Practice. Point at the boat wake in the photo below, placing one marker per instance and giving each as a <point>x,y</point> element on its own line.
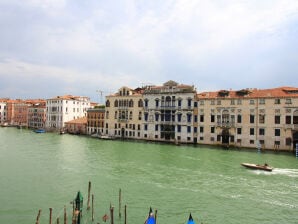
<point>286,172</point>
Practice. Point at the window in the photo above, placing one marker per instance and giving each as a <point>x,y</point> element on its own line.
<point>262,101</point>
<point>156,116</point>
<point>212,118</point>
<point>252,119</point>
<point>188,129</point>
<point>156,127</point>
<point>212,102</point>
<point>288,119</point>
<point>195,129</point>
<point>233,102</point>
<point>239,102</point>
<point>261,131</point>
<point>178,128</point>
<point>288,101</point>
<point>277,101</point>
<point>239,131</point>
<point>277,132</point>
<point>179,103</point>
<point>188,117</point>
<point>251,102</point>
<point>195,118</point>
<point>195,104</point>
<point>179,117</point>
<point>146,117</point>
<point>202,102</point>
<point>277,119</point>
<point>145,127</point>
<point>251,142</point>
<point>212,130</point>
<point>262,119</point>
<point>201,118</point>
<point>251,131</point>
<point>201,129</point>
<point>218,102</point>
<point>239,118</point>
<point>189,102</point>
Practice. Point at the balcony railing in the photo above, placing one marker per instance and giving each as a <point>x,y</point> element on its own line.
<point>225,124</point>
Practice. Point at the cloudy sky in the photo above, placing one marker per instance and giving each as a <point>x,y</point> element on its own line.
<point>56,47</point>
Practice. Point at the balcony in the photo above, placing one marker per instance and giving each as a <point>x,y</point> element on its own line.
<point>291,126</point>
<point>225,124</point>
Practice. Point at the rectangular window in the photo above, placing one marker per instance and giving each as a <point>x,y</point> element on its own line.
<point>252,119</point>
<point>288,119</point>
<point>145,127</point>
<point>188,129</point>
<point>195,129</point>
<point>262,101</point>
<point>261,131</point>
<point>277,132</point>
<point>201,118</point>
<point>251,131</point>
<point>212,118</point>
<point>201,129</point>
<point>195,118</point>
<point>251,102</point>
<point>239,131</point>
<point>178,128</point>
<point>188,117</point>
<point>218,138</point>
<point>277,119</point>
<point>239,118</point>
<point>288,101</point>
<point>251,142</point>
<point>239,102</point>
<point>277,101</point>
<point>212,130</point>
<point>262,119</point>
<point>156,127</point>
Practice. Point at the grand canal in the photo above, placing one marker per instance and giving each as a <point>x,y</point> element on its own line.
<point>39,171</point>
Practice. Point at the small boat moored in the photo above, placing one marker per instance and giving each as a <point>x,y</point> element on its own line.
<point>264,167</point>
<point>39,131</point>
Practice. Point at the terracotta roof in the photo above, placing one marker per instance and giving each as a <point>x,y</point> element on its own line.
<point>82,120</point>
<point>281,92</point>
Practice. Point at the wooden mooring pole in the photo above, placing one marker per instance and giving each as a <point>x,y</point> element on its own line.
<point>89,189</point>
<point>57,221</point>
<point>92,207</point>
<point>112,214</point>
<point>155,216</point>
<point>125,215</point>
<point>38,216</point>
<point>65,215</point>
<point>120,203</point>
<point>51,210</point>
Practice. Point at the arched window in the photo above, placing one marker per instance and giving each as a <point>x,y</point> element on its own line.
<point>140,103</point>
<point>116,103</point>
<point>168,101</point>
<point>107,103</point>
<point>131,103</point>
<point>225,116</point>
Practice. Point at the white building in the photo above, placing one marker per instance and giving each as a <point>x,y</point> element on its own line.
<point>169,113</point>
<point>65,108</point>
<point>3,112</point>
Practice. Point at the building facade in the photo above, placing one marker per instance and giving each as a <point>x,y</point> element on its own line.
<point>95,121</point>
<point>253,118</point>
<point>169,113</point>
<point>37,115</point>
<point>3,111</point>
<point>123,114</point>
<point>62,109</point>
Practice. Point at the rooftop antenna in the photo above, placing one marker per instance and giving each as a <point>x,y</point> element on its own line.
<point>100,95</point>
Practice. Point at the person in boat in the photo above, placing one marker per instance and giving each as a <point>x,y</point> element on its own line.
<point>265,164</point>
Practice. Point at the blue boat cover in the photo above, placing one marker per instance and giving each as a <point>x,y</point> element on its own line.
<point>190,220</point>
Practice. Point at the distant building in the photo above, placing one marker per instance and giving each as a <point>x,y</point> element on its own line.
<point>62,109</point>
<point>123,114</point>
<point>169,113</point>
<point>3,111</point>
<point>37,114</point>
<point>265,118</point>
<point>95,120</point>
<point>77,126</point>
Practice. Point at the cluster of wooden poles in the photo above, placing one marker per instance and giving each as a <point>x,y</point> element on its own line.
<point>77,211</point>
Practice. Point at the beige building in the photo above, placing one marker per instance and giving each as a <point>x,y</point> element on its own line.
<point>265,118</point>
<point>123,113</point>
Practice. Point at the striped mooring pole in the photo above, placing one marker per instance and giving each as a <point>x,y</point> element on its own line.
<point>297,150</point>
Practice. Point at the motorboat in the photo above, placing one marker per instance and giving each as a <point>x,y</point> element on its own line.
<point>39,130</point>
<point>264,167</point>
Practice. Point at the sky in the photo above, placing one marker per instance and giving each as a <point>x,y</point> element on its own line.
<point>92,48</point>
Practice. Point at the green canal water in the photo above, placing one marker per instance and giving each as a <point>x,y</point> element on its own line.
<point>39,171</point>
